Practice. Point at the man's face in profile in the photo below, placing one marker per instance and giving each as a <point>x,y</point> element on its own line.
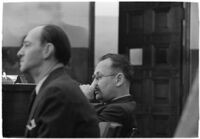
<point>104,79</point>
<point>31,52</point>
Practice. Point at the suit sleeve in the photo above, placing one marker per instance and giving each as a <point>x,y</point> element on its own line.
<point>55,115</point>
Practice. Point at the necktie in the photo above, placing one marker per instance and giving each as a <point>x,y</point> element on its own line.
<point>32,98</point>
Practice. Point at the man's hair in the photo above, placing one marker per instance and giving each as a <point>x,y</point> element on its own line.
<point>120,62</point>
<point>55,35</point>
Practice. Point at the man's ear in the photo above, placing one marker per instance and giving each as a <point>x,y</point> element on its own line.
<point>119,79</point>
<point>48,50</point>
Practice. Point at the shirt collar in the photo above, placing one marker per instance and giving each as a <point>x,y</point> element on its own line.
<point>115,99</point>
<point>38,86</point>
<point>121,97</point>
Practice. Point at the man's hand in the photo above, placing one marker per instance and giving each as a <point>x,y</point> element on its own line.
<point>88,91</point>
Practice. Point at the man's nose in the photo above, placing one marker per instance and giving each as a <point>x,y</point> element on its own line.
<point>19,53</point>
<point>94,83</point>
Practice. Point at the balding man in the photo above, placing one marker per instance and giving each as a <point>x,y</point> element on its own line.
<point>59,108</point>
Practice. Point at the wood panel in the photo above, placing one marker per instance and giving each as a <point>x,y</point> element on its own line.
<point>15,100</point>
<point>155,28</point>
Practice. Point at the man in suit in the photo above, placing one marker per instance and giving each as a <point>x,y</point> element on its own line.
<point>59,108</point>
<point>111,85</point>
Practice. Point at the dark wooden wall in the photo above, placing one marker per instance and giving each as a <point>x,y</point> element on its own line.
<point>15,109</point>
<point>155,28</point>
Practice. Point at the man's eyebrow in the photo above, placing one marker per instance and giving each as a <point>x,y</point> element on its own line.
<point>26,41</point>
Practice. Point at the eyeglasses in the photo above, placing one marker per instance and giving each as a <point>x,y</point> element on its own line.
<point>99,76</point>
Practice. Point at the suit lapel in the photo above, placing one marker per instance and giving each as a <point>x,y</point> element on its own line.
<point>35,101</point>
<point>32,98</point>
<point>34,105</point>
<point>32,108</point>
<point>38,97</point>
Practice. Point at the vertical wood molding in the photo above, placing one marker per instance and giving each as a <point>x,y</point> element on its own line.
<point>186,54</point>
<point>91,40</point>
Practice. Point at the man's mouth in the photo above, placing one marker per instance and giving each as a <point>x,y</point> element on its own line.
<point>20,61</point>
<point>96,92</point>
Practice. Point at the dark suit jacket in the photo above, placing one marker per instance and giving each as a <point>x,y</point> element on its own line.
<point>61,110</point>
<point>121,111</point>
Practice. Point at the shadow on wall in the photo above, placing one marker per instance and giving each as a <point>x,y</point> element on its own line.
<point>78,36</point>
<point>73,20</point>
<point>10,63</point>
<point>78,67</point>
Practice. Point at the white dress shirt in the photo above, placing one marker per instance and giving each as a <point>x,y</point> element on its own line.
<point>38,86</point>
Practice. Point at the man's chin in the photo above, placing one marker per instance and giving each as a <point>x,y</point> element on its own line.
<point>23,70</point>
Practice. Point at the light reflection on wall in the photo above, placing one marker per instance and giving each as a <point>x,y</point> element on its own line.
<point>73,17</point>
<point>106,28</point>
<point>194,24</point>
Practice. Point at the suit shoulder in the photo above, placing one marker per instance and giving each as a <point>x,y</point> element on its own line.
<point>64,82</point>
<point>125,106</point>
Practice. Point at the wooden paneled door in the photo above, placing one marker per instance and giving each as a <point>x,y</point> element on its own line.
<point>155,29</point>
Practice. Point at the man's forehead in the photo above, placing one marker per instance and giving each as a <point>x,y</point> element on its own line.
<point>104,66</point>
<point>35,33</point>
